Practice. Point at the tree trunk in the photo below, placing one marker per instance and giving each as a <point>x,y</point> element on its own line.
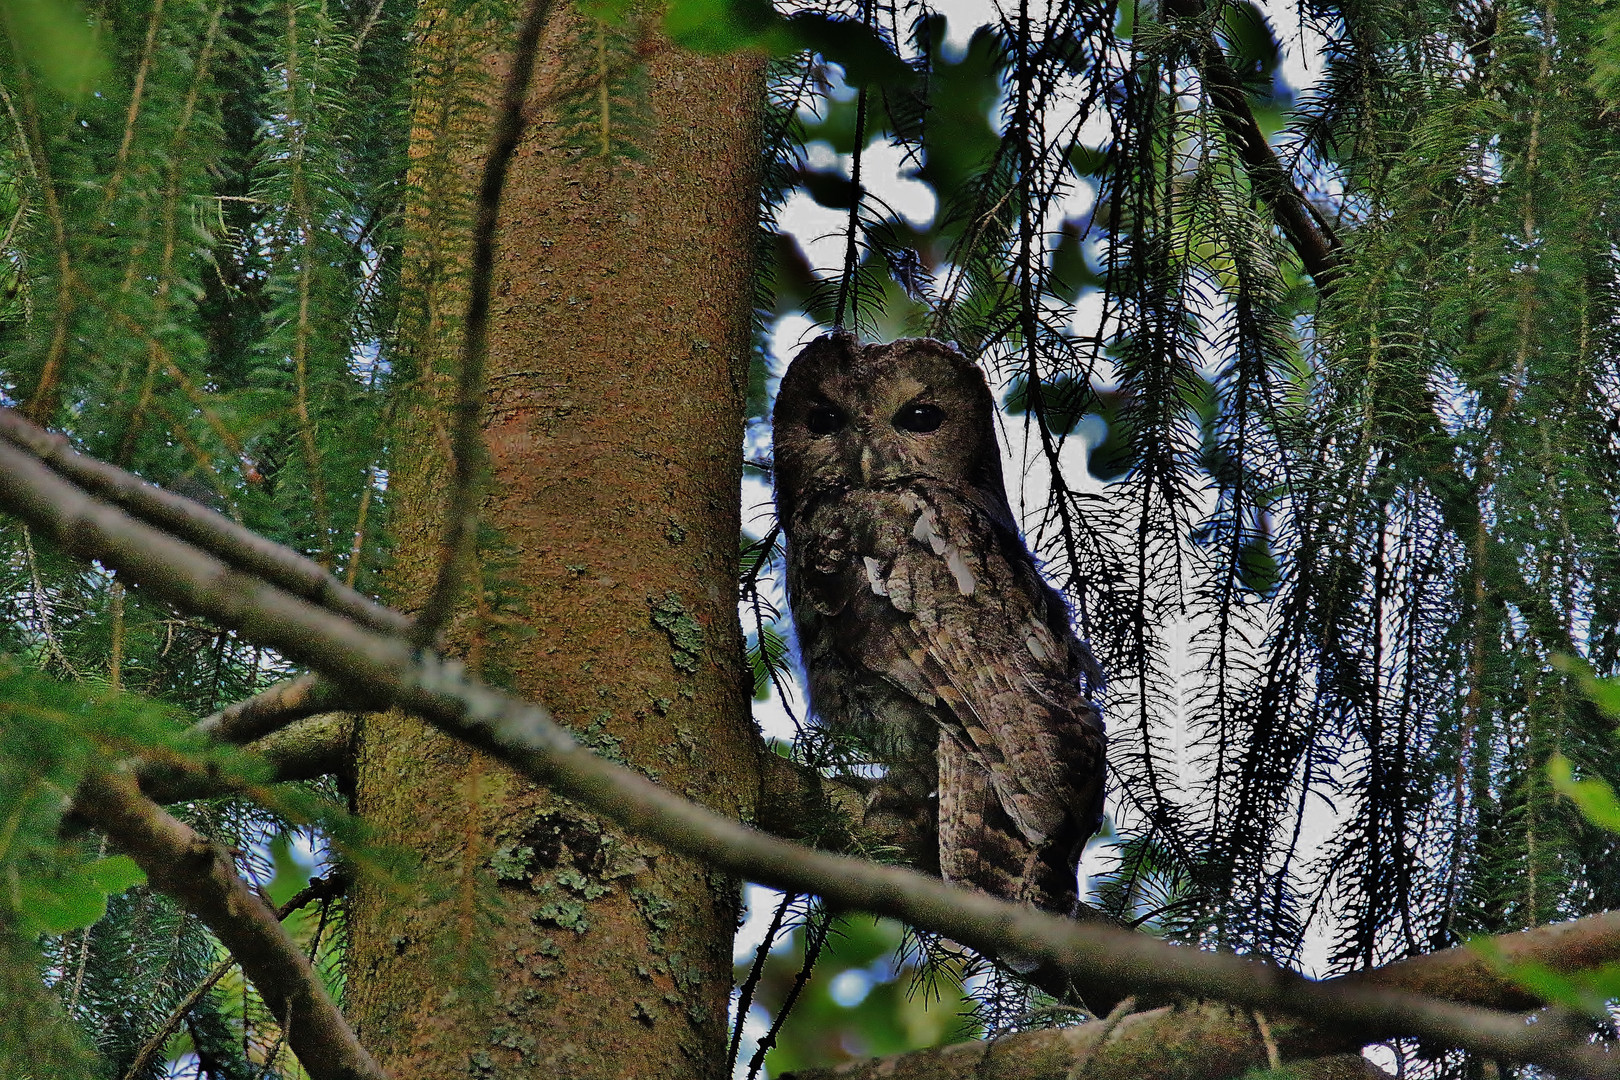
<point>538,940</point>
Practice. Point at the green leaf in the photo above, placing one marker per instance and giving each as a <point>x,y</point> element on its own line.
<point>1587,992</point>
<point>76,897</point>
<point>717,26</point>
<point>291,875</point>
<point>866,58</point>
<point>1594,798</point>
<point>114,874</point>
<point>1605,694</point>
<point>57,42</point>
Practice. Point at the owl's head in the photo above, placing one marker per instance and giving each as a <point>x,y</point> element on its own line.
<point>850,416</point>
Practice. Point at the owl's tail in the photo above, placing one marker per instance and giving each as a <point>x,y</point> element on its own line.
<point>981,845</point>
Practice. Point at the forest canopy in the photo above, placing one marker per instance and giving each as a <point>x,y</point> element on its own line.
<point>1309,394</point>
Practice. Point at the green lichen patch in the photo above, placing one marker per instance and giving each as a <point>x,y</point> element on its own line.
<point>654,908</point>
<point>511,1039</point>
<point>513,862</point>
<point>599,739</point>
<point>685,635</point>
<point>567,914</point>
<point>572,879</point>
<point>658,910</point>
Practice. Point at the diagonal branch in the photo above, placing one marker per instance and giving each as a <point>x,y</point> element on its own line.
<point>526,737</point>
<point>1311,235</point>
<point>200,876</point>
<point>196,524</point>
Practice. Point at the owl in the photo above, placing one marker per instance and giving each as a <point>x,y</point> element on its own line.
<point>930,638</point>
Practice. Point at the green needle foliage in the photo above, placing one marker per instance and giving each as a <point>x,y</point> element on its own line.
<point>1337,533</point>
<point>1330,535</point>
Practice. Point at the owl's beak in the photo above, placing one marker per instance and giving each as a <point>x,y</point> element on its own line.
<point>868,463</point>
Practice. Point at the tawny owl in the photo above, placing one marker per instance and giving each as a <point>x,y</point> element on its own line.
<point>928,633</point>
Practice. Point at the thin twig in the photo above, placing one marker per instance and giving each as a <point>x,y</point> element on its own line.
<point>745,998</point>
<point>1273,1058</point>
<point>182,1011</point>
<point>815,936</point>
<point>1110,1022</point>
<point>467,449</point>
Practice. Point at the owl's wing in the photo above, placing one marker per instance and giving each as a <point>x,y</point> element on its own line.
<point>954,612</point>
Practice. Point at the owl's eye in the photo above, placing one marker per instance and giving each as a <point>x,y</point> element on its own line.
<point>919,418</point>
<point>823,420</point>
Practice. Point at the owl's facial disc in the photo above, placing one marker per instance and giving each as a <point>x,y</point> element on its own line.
<point>850,417</point>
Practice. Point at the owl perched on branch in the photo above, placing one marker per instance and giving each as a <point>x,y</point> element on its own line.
<point>930,637</point>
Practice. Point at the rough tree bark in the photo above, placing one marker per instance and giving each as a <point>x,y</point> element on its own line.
<point>539,939</point>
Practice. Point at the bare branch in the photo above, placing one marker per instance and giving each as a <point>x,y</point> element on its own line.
<point>312,747</point>
<point>275,708</point>
<point>467,430</point>
<point>196,524</point>
<point>1203,1041</point>
<point>526,737</point>
<point>200,876</point>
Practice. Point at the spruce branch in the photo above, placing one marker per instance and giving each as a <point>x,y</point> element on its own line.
<point>333,884</point>
<point>526,737</point>
<point>467,449</point>
<point>1322,254</point>
<point>200,876</point>
<point>199,526</point>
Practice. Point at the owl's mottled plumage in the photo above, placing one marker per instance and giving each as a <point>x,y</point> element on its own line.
<point>928,632</point>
